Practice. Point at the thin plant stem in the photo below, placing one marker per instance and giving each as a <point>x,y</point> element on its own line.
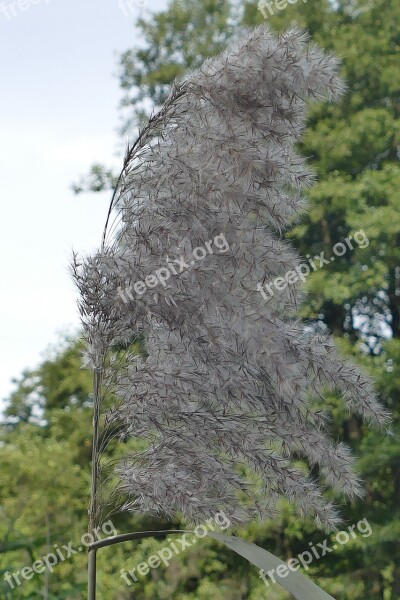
<point>94,480</point>
<point>92,574</point>
<point>135,535</point>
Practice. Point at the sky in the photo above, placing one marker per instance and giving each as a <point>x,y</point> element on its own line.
<point>58,114</point>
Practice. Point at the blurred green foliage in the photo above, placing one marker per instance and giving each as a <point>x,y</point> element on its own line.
<point>354,146</point>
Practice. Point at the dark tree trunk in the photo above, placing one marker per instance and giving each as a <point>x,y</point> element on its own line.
<point>396,580</point>
<point>394,299</point>
<point>334,318</point>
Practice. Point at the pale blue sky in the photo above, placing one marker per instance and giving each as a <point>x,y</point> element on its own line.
<point>58,114</point>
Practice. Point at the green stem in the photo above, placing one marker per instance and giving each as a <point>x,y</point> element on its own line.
<point>93,490</point>
<point>92,575</point>
<point>136,535</point>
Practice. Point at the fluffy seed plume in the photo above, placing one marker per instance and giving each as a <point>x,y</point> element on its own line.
<point>223,392</point>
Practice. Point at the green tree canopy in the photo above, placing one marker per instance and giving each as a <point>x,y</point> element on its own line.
<point>355,151</point>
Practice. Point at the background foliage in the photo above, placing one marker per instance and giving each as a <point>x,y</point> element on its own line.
<point>354,145</point>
